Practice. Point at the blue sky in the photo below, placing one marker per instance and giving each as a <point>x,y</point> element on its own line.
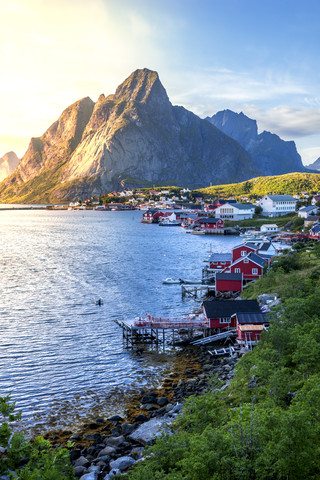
<point>259,57</point>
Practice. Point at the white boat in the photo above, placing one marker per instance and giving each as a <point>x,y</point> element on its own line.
<point>198,232</point>
<point>172,281</point>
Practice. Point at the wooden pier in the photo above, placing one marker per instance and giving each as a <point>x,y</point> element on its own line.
<point>158,330</point>
<point>195,290</point>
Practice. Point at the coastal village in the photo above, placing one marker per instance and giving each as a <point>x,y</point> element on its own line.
<point>228,273</point>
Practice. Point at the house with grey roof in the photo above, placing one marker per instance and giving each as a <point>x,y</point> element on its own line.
<point>235,211</point>
<point>304,212</point>
<point>277,205</point>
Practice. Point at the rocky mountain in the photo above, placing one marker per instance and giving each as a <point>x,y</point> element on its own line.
<point>8,163</point>
<point>132,138</point>
<point>315,165</point>
<point>271,154</point>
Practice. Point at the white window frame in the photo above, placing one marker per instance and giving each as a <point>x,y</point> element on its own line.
<point>225,320</point>
<point>237,270</point>
<point>244,253</point>
<point>254,271</point>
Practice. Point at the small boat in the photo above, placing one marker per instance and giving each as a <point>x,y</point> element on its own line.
<point>172,281</point>
<point>198,232</point>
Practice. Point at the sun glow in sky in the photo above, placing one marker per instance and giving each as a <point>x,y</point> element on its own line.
<point>258,57</point>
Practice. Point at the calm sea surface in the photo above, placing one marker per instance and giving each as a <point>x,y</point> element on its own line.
<point>61,356</point>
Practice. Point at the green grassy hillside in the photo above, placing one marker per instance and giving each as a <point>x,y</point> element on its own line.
<point>290,183</point>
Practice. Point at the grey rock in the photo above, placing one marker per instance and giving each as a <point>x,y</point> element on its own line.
<point>149,431</point>
<point>79,471</point>
<point>82,462</point>
<point>3,450</point>
<point>114,441</point>
<point>137,452</point>
<point>127,428</point>
<point>89,476</point>
<point>94,468</point>
<point>107,451</point>
<point>115,418</point>
<point>149,398</point>
<point>122,463</point>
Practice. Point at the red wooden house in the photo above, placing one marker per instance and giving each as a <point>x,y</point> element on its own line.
<point>229,282</point>
<point>152,216</point>
<point>219,261</point>
<point>218,313</point>
<point>250,266</point>
<point>249,326</point>
<point>314,232</point>
<point>243,250</point>
<point>211,225</point>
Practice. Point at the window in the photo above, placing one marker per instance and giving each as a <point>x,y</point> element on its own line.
<point>225,320</point>
<point>245,260</point>
<point>243,253</point>
<point>254,271</point>
<point>237,270</point>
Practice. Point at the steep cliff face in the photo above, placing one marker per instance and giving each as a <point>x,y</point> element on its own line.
<point>132,138</point>
<point>135,136</point>
<point>271,154</point>
<point>8,164</point>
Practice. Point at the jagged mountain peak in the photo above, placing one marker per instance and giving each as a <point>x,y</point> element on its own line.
<point>140,86</point>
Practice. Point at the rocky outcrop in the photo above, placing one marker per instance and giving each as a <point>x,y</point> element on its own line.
<point>271,154</point>
<point>8,164</point>
<point>133,138</point>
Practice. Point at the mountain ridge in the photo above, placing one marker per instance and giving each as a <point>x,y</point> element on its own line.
<point>132,138</point>
<point>271,154</point>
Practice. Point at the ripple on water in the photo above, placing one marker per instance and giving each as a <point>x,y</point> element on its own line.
<point>63,357</point>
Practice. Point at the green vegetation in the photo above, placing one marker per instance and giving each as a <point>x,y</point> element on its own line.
<point>257,221</point>
<point>35,460</point>
<point>290,183</point>
<point>266,424</point>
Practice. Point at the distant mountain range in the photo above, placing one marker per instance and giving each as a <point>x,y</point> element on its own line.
<point>136,138</point>
<point>8,164</point>
<point>271,154</point>
<point>315,165</point>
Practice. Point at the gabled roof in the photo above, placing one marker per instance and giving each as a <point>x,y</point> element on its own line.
<point>281,198</point>
<point>252,317</point>
<point>312,218</point>
<point>309,208</point>
<point>243,206</point>
<point>209,220</point>
<point>229,276</point>
<point>257,259</point>
<point>226,308</point>
<point>247,244</point>
<point>220,257</point>
<point>253,257</point>
<point>265,246</point>
<point>315,229</point>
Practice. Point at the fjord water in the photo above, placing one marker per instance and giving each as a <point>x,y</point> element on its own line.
<point>61,356</point>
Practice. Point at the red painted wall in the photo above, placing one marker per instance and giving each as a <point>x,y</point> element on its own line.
<point>246,269</point>
<point>228,286</point>
<point>236,252</point>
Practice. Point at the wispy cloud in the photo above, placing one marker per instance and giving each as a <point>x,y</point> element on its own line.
<point>287,121</point>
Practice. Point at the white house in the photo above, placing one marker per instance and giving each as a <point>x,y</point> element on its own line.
<point>277,205</point>
<point>269,228</point>
<point>315,199</point>
<point>235,211</point>
<point>304,212</point>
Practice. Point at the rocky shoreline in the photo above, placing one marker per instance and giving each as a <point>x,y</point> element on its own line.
<point>106,447</point>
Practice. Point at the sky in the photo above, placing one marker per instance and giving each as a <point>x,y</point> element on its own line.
<point>259,57</point>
